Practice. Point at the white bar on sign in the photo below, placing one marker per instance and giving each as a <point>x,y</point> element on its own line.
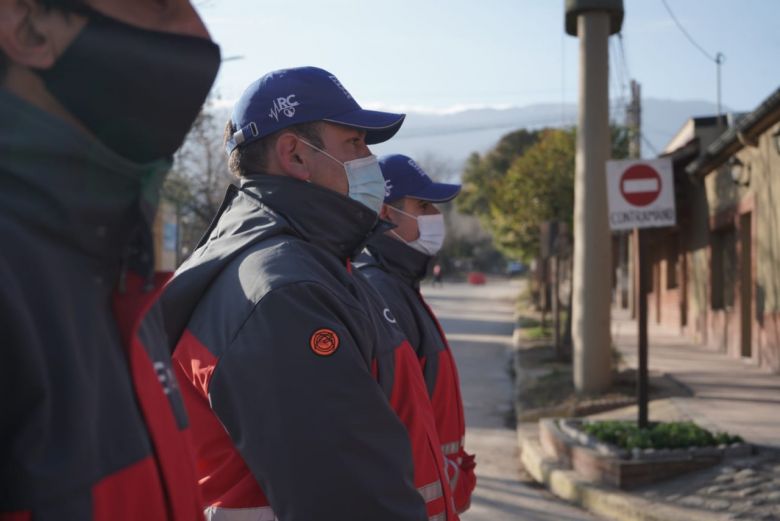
<point>634,186</point>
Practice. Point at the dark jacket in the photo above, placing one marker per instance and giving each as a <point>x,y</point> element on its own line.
<point>395,270</point>
<point>306,400</point>
<point>93,426</point>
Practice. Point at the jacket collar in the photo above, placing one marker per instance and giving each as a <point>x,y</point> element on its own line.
<point>399,259</point>
<point>68,187</point>
<point>263,207</point>
<point>318,215</point>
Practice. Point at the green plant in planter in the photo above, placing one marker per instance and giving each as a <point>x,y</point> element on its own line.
<point>670,435</point>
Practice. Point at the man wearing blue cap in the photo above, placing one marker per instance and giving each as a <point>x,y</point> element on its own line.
<point>306,400</point>
<point>395,263</point>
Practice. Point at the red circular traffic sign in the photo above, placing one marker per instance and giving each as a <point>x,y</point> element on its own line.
<point>640,185</point>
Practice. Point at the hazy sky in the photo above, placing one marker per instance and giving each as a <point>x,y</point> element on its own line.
<point>443,55</point>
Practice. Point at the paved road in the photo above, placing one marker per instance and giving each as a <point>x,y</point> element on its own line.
<point>479,321</point>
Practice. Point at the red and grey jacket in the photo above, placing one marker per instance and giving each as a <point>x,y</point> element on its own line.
<point>395,270</point>
<point>93,426</point>
<point>306,400</point>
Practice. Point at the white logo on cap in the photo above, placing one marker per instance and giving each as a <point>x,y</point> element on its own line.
<point>388,187</point>
<point>417,167</point>
<point>284,106</point>
<point>340,86</point>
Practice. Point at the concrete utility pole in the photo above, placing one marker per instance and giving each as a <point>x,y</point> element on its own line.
<point>593,21</point>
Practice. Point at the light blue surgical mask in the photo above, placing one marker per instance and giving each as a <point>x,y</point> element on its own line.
<point>366,184</point>
<point>431,229</point>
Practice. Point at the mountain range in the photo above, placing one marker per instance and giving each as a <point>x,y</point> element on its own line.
<point>451,138</point>
<point>448,139</point>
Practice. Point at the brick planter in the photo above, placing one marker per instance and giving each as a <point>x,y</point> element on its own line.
<point>601,464</point>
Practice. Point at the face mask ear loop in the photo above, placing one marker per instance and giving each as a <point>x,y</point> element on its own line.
<point>409,216</point>
<point>402,212</point>
<point>399,237</point>
<point>318,149</point>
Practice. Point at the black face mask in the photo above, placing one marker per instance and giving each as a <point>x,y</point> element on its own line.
<point>137,90</point>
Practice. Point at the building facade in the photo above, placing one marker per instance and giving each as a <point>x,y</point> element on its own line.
<point>716,275</point>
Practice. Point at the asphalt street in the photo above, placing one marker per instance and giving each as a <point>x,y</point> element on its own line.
<point>479,321</point>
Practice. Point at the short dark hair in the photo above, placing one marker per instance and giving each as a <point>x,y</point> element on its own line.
<point>61,5</point>
<point>254,156</point>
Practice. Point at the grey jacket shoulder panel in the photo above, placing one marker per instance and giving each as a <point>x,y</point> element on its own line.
<point>260,270</point>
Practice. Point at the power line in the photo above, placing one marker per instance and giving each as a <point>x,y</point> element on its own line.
<point>620,72</point>
<point>649,144</point>
<point>623,54</point>
<point>613,83</point>
<point>717,58</point>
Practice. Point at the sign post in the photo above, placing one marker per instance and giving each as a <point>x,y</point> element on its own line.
<point>641,195</point>
<point>642,370</point>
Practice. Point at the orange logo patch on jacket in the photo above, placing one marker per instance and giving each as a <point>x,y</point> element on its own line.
<point>324,342</point>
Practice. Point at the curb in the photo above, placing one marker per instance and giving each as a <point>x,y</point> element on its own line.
<point>517,331</point>
<point>602,501</point>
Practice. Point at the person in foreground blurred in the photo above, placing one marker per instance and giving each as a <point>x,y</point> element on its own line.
<point>395,263</point>
<point>95,96</point>
<point>306,400</point>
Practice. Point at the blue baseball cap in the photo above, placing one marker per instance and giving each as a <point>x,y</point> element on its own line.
<point>302,95</point>
<point>405,178</point>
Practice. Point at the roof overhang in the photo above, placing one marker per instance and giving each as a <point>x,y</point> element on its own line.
<point>745,133</point>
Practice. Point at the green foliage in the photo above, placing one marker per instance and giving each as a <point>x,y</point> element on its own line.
<point>466,245</point>
<point>671,435</point>
<point>538,187</point>
<point>483,176</point>
<point>527,179</point>
<point>620,137</point>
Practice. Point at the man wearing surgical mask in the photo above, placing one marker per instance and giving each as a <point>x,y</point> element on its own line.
<point>95,97</point>
<point>306,400</point>
<point>395,263</point>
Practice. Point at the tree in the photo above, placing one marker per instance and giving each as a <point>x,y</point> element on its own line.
<point>467,245</point>
<point>438,168</point>
<point>528,178</point>
<point>483,176</point>
<point>620,137</point>
<point>538,187</point>
<point>198,180</point>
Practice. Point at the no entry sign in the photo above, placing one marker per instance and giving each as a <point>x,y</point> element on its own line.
<point>641,194</point>
<point>640,184</point>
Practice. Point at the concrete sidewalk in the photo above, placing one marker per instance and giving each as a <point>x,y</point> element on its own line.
<point>728,394</point>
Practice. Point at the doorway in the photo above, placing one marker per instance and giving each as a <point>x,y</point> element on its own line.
<point>746,284</point>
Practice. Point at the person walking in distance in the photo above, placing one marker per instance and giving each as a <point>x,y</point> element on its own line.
<point>437,275</point>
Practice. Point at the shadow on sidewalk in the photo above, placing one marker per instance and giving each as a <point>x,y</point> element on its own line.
<point>728,394</point>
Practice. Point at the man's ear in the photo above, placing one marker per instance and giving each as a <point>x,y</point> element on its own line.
<point>33,36</point>
<point>384,213</point>
<point>290,154</point>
